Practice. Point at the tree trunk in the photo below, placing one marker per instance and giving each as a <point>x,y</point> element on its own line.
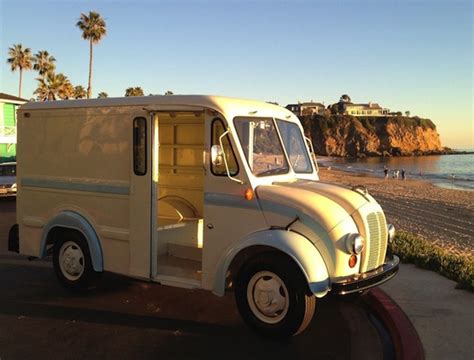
<point>21,79</point>
<point>89,87</point>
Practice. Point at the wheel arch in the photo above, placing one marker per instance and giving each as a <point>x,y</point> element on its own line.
<point>69,220</point>
<point>293,245</point>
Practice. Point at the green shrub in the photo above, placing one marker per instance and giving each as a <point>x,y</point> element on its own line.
<point>413,122</point>
<point>426,124</point>
<point>416,250</point>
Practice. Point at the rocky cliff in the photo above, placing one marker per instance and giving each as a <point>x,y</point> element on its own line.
<point>342,135</point>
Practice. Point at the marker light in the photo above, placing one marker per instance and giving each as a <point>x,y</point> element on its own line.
<point>248,194</point>
<point>352,261</point>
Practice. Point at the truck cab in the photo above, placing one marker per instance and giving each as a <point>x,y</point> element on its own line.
<point>194,191</point>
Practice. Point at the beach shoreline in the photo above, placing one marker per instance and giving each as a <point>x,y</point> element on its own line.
<point>450,172</point>
<point>440,215</point>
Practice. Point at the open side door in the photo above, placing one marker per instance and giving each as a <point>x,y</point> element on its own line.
<point>177,186</point>
<point>140,228</point>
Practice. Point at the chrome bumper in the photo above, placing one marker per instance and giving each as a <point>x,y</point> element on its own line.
<point>369,279</point>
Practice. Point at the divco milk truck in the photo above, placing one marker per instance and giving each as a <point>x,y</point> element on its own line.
<point>201,192</point>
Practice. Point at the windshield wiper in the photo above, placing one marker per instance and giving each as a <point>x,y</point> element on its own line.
<point>275,171</point>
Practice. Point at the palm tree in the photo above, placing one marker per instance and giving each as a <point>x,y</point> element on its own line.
<point>93,29</point>
<point>53,87</point>
<point>345,98</point>
<point>342,104</point>
<point>47,88</point>
<point>134,91</point>
<point>66,90</point>
<point>103,95</point>
<point>20,59</point>
<point>169,92</point>
<point>43,63</point>
<point>79,92</point>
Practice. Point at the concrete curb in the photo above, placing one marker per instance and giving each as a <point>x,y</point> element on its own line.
<point>404,336</point>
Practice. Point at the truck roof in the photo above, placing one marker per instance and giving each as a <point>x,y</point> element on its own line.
<point>222,104</point>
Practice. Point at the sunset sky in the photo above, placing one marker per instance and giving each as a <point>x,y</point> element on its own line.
<point>404,55</point>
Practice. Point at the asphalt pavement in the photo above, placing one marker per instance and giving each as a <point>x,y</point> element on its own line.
<point>127,319</point>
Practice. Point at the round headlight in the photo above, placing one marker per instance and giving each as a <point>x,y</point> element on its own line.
<point>391,232</point>
<point>355,244</point>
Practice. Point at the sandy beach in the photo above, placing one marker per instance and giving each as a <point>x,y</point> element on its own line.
<point>443,216</point>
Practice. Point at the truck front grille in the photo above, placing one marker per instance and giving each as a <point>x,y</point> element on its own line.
<point>377,240</point>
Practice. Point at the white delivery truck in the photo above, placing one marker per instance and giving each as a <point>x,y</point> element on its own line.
<point>195,192</point>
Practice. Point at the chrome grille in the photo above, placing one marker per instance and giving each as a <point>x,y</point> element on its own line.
<point>377,237</point>
<point>383,237</point>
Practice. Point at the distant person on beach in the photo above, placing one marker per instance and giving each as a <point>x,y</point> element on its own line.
<point>385,171</point>
<point>396,173</point>
<point>403,174</point>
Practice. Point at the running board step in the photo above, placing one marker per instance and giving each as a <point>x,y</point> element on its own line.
<point>175,281</point>
<point>185,251</point>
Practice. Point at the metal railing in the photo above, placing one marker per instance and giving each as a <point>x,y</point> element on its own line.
<point>8,131</point>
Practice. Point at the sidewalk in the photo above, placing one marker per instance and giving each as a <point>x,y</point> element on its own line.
<point>442,315</point>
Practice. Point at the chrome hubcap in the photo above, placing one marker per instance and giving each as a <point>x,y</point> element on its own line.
<point>71,261</point>
<point>267,296</point>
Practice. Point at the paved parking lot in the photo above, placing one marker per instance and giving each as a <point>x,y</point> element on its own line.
<point>124,318</point>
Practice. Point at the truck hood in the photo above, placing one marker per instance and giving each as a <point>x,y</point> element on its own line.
<point>326,203</point>
<point>349,199</point>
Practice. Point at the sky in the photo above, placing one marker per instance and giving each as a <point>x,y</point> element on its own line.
<point>404,55</point>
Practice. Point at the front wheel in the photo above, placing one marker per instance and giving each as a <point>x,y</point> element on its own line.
<point>72,262</point>
<point>273,297</point>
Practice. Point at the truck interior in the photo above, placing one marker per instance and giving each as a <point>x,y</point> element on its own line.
<point>180,197</point>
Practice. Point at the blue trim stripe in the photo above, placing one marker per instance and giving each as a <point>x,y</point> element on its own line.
<point>76,186</point>
<point>235,201</point>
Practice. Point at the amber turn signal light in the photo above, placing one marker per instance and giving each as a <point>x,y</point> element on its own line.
<point>249,194</point>
<point>352,261</point>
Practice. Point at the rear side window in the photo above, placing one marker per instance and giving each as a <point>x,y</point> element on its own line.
<point>139,146</point>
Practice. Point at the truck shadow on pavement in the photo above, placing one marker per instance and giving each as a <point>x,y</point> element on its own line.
<point>123,318</point>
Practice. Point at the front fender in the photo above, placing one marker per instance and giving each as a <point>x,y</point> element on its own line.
<point>72,220</point>
<point>299,248</point>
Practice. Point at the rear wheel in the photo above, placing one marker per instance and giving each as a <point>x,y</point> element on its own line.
<point>72,262</point>
<point>273,297</point>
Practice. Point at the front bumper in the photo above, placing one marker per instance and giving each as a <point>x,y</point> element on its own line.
<point>369,279</point>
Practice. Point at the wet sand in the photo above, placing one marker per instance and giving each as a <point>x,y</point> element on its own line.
<point>443,216</point>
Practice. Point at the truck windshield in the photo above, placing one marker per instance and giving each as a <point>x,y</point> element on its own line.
<point>262,147</point>
<point>295,147</point>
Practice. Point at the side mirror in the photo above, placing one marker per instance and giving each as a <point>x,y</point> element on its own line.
<point>216,155</point>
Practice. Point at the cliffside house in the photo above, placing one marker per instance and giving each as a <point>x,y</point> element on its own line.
<point>306,108</point>
<point>370,109</point>
<point>8,106</point>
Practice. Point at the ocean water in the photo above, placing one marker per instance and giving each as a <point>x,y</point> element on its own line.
<point>448,171</point>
